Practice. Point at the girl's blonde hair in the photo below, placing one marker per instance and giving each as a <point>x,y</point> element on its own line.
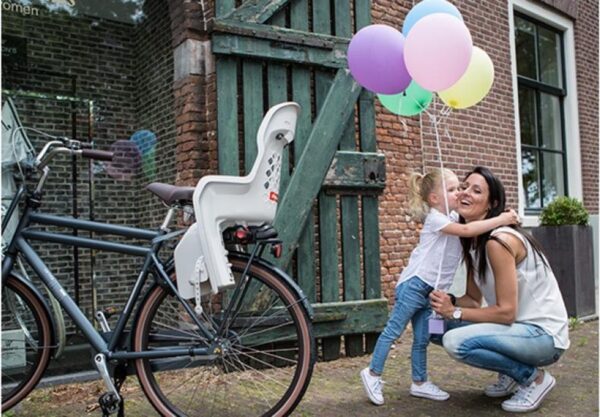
<point>419,188</point>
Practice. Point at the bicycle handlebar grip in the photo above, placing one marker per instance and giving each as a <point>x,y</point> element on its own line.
<point>98,155</point>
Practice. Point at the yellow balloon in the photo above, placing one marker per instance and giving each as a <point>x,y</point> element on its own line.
<point>474,84</point>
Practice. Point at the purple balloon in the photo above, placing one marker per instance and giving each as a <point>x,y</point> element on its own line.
<point>438,51</point>
<point>126,160</point>
<point>376,59</point>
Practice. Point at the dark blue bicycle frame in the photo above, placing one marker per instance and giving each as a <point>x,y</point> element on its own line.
<point>19,244</point>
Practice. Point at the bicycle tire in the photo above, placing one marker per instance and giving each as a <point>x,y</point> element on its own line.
<point>252,376</point>
<point>34,350</point>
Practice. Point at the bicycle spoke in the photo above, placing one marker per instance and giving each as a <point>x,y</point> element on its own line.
<point>261,363</point>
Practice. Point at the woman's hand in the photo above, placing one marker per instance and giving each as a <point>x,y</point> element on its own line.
<point>441,303</point>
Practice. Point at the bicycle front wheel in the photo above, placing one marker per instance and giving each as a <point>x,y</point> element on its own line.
<point>26,341</point>
<point>263,364</point>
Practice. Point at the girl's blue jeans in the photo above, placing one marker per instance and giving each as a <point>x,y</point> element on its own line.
<point>412,303</point>
<point>516,350</point>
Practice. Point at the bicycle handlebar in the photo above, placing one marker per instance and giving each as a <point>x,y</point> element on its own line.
<point>97,155</point>
<point>74,147</point>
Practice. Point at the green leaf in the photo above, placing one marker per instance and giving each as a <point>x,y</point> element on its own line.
<point>564,211</point>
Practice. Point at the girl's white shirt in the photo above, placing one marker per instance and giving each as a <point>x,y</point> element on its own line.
<point>436,254</point>
<point>539,299</point>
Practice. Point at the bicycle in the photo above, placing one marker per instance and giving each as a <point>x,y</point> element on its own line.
<point>201,344</point>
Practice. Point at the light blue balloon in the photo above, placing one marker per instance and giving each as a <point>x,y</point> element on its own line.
<point>427,7</point>
<point>145,140</point>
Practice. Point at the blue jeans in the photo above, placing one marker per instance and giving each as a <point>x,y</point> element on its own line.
<point>412,303</point>
<point>516,350</point>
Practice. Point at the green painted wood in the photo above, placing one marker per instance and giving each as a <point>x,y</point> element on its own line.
<point>305,255</point>
<point>328,251</point>
<point>349,219</point>
<point>351,248</point>
<point>293,37</point>
<point>362,13</point>
<point>315,161</point>
<point>256,48</point>
<point>277,91</point>
<point>356,171</point>
<point>227,116</point>
<point>370,213</point>
<point>240,35</point>
<point>223,7</point>
<point>257,11</point>
<point>343,21</point>
<point>252,74</point>
<point>321,17</point>
<point>350,317</point>
<point>331,320</point>
<point>349,204</point>
<point>299,15</point>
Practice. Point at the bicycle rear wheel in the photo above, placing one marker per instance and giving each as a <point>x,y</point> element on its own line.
<point>26,341</point>
<point>262,369</point>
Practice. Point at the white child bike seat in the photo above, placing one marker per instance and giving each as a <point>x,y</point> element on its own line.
<point>221,201</point>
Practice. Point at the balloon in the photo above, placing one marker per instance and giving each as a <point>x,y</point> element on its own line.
<point>144,139</point>
<point>475,83</point>
<point>427,7</point>
<point>438,51</point>
<point>126,160</point>
<point>376,59</point>
<point>412,101</point>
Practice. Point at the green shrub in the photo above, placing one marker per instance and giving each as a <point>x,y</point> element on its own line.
<point>563,211</point>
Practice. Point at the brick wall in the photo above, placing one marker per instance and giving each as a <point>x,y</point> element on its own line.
<point>127,71</point>
<point>586,55</point>
<point>481,135</point>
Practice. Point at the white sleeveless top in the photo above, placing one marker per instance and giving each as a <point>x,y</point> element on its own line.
<point>539,299</point>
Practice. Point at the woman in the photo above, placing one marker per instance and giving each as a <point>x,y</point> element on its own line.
<point>525,324</point>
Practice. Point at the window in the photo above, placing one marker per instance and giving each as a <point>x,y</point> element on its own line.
<point>541,100</point>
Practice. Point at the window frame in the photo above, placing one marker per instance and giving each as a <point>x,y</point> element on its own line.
<point>538,88</point>
<point>569,109</point>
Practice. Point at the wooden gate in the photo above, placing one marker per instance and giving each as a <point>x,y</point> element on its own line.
<point>270,51</point>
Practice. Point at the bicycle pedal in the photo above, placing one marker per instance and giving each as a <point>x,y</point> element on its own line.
<point>109,403</point>
<point>110,311</point>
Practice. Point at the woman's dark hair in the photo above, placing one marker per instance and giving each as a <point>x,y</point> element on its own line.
<point>497,201</point>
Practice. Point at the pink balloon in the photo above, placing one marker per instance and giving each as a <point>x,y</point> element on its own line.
<point>437,51</point>
<point>376,59</point>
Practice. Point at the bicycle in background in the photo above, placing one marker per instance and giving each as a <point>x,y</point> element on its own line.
<point>216,333</point>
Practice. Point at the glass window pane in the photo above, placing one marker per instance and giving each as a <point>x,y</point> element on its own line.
<point>550,57</point>
<point>525,48</point>
<point>551,123</point>
<point>530,172</point>
<point>553,179</point>
<point>527,116</point>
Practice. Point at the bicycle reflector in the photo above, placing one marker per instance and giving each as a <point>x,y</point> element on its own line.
<point>277,250</point>
<point>242,235</point>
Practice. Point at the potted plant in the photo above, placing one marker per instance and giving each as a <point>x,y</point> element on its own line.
<point>567,240</point>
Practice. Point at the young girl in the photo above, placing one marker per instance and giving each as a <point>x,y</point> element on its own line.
<point>433,261</point>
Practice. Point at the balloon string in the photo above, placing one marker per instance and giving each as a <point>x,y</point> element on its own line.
<point>444,113</point>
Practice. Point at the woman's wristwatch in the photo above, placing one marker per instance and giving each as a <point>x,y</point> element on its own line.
<point>457,314</point>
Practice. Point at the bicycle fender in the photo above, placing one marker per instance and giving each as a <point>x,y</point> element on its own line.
<point>281,274</point>
<point>45,306</point>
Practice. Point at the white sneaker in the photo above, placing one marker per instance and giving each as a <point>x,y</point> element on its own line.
<point>530,398</point>
<point>428,390</point>
<point>373,386</point>
<point>503,387</point>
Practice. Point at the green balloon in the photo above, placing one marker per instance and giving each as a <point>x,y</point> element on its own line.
<point>410,102</point>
